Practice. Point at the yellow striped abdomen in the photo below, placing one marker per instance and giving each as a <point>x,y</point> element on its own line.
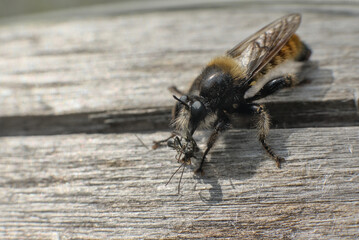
<point>294,49</point>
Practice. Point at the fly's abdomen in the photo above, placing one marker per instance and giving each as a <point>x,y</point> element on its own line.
<point>294,49</point>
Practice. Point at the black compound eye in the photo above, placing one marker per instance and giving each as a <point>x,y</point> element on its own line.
<point>184,98</point>
<point>181,101</point>
<point>198,110</point>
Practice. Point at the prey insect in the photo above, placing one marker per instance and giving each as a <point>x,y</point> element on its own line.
<point>221,89</point>
<point>186,149</point>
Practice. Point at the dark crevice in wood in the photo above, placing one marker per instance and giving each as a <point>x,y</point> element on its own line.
<point>283,114</point>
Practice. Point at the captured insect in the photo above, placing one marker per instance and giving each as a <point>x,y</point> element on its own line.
<point>186,149</point>
<point>220,90</point>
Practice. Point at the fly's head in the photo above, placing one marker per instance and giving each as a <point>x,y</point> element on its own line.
<point>191,112</point>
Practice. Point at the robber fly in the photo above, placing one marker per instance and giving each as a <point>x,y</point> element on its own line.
<point>220,90</point>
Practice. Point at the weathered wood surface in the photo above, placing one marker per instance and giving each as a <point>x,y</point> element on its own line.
<point>102,73</point>
<point>106,69</point>
<point>102,186</point>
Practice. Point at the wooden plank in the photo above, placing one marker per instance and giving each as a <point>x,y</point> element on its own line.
<point>113,186</point>
<point>106,69</point>
<point>110,68</point>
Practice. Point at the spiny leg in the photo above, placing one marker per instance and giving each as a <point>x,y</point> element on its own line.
<point>156,144</point>
<point>221,125</point>
<point>274,85</point>
<point>263,123</point>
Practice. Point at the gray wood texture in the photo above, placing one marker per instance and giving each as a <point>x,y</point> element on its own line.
<point>102,186</point>
<point>112,71</point>
<point>105,70</point>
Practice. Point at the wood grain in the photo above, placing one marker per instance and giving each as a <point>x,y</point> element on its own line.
<point>102,186</point>
<point>122,64</point>
<point>83,93</point>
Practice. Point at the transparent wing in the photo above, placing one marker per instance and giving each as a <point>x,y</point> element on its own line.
<point>257,50</point>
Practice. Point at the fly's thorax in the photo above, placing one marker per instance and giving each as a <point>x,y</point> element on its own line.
<point>216,83</point>
<point>217,87</point>
<point>228,65</point>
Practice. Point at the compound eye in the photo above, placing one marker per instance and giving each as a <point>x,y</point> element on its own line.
<point>198,110</point>
<point>184,98</point>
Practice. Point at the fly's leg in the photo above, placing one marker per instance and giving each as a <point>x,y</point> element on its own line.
<point>273,86</point>
<point>156,144</point>
<point>221,125</point>
<point>263,123</point>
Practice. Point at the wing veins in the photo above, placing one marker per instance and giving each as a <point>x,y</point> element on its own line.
<point>258,49</point>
